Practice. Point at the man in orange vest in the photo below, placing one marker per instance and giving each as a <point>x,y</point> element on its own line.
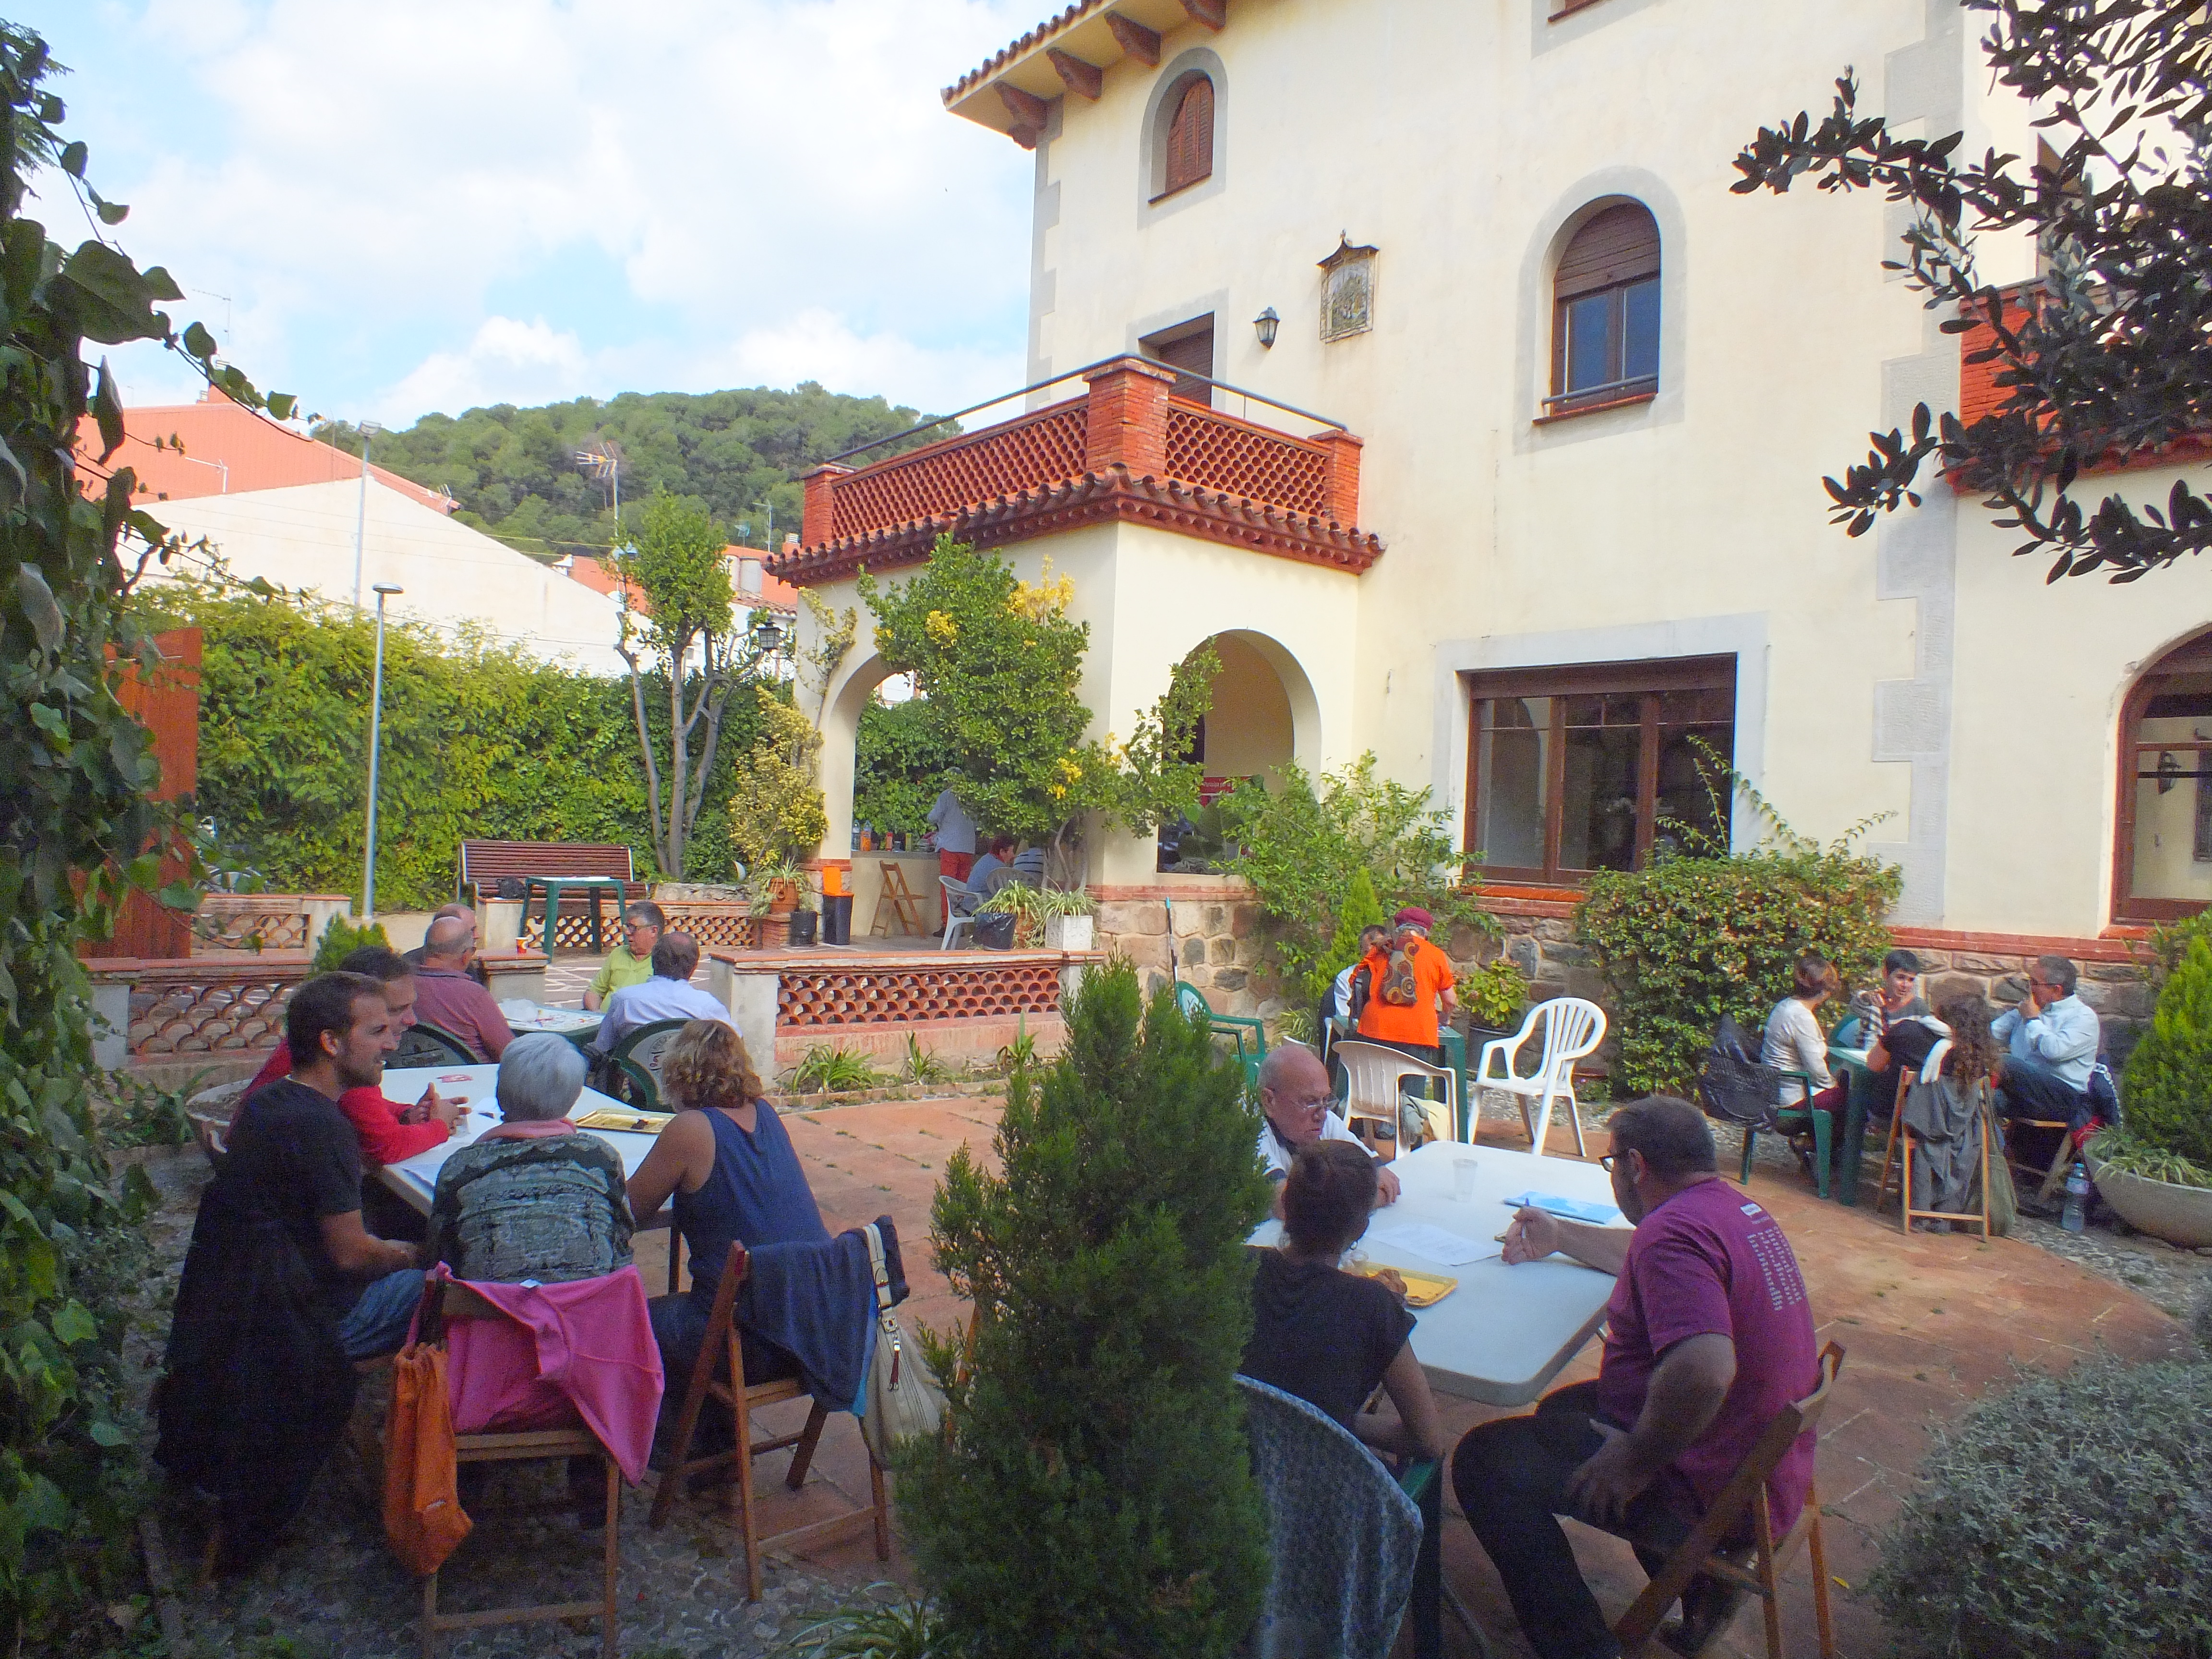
<point>1410,991</point>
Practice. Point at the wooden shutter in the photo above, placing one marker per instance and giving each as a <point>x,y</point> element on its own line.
<point>1190,136</point>
<point>1619,245</point>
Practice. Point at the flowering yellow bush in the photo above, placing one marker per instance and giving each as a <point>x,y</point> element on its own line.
<point>942,627</point>
<point>1046,596</point>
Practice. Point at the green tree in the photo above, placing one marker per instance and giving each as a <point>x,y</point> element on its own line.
<point>775,804</point>
<point>999,665</point>
<point>515,473</point>
<point>1095,1496</point>
<point>1302,847</point>
<point>1359,911</point>
<point>76,823</point>
<point>2111,357</point>
<point>896,772</point>
<point>2169,1077</point>
<point>677,564</point>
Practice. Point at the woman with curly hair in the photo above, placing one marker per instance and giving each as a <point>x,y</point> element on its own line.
<point>730,1167</point>
<point>1946,1103</point>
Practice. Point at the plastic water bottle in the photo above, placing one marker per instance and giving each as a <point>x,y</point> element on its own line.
<point>2077,1199</point>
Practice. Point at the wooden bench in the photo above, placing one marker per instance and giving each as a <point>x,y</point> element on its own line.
<point>485,864</point>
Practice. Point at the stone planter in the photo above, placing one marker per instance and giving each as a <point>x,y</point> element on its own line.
<point>502,924</point>
<point>2180,1215</point>
<point>1068,932</point>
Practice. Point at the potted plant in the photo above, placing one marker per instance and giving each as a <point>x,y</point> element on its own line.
<point>2157,1172</point>
<point>1024,903</point>
<point>775,888</point>
<point>1495,995</point>
<point>804,913</point>
<point>1067,913</point>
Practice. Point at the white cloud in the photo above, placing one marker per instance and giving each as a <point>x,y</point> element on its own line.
<point>382,191</point>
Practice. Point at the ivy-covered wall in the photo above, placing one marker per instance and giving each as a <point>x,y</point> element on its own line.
<point>478,743</point>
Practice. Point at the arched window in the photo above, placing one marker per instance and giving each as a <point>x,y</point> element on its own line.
<point>1604,313</point>
<point>1187,148</point>
<point>2162,858</point>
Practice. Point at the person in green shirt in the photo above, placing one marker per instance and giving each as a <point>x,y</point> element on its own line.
<point>629,963</point>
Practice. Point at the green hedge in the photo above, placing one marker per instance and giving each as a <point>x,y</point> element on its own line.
<point>478,743</point>
<point>1689,939</point>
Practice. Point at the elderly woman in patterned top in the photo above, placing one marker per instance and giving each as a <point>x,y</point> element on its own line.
<point>535,1198</point>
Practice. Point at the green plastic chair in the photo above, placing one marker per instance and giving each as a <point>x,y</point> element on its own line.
<point>1232,1026</point>
<point>423,1044</point>
<point>635,1062</point>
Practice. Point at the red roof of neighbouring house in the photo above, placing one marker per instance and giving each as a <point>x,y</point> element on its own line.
<point>775,593</point>
<point>228,449</point>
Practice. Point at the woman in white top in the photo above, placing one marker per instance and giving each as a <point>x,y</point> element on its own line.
<point>1795,1040</point>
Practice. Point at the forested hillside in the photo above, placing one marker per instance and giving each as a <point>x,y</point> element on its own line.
<point>515,473</point>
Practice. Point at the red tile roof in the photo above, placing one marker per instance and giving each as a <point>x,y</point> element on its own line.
<point>1034,38</point>
<point>228,449</point>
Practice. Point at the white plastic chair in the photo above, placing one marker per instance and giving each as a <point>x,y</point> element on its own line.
<point>955,894</point>
<point>1572,1028</point>
<point>1374,1073</point>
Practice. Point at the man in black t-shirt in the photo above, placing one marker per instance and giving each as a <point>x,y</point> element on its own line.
<point>295,1158</point>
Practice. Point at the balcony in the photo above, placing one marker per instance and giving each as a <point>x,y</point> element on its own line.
<point>1126,450</point>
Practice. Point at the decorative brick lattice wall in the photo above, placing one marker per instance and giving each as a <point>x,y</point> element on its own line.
<point>226,1010</point>
<point>229,925</point>
<point>728,926</point>
<point>897,995</point>
<point>1041,448</point>
<point>1240,458</point>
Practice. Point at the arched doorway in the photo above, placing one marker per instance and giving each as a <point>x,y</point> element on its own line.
<point>1263,716</point>
<point>2162,844</point>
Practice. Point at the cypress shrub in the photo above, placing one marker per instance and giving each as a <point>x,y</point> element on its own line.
<point>1095,1496</point>
<point>2169,1078</point>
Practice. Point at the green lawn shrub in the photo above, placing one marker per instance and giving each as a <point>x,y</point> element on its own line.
<point>1095,1496</point>
<point>2067,1517</point>
<point>1687,940</point>
<point>2168,1100</point>
<point>479,743</point>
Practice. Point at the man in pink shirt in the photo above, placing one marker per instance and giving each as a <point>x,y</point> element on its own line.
<point>446,997</point>
<point>1708,1336</point>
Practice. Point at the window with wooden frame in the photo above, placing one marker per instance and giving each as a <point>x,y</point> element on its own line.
<point>2162,844</point>
<point>1187,347</point>
<point>1604,313</point>
<point>1187,145</point>
<point>1576,769</point>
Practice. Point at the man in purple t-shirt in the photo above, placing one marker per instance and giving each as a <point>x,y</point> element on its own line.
<point>1708,1336</point>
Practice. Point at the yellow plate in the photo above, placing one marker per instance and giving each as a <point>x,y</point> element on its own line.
<point>1422,1290</point>
<point>635,1123</point>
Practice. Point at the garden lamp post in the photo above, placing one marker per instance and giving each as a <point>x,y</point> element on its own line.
<point>384,591</point>
<point>368,430</point>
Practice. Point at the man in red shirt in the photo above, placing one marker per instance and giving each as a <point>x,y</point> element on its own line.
<point>447,998</point>
<point>1709,1337</point>
<point>388,1131</point>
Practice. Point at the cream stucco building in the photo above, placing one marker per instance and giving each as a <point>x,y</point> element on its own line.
<point>1478,278</point>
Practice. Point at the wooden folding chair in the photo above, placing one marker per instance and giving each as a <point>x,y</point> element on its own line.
<point>1900,1138</point>
<point>904,905</point>
<point>2061,1156</point>
<point>453,1301</point>
<point>1703,1551</point>
<point>723,1343</point>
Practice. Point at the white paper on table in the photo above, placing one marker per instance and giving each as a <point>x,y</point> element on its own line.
<point>1433,1244</point>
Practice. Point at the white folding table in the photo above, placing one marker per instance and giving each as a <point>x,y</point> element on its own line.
<point>415,1179</point>
<point>1504,1333</point>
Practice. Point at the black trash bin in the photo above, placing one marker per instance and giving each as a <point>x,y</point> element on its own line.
<point>802,927</point>
<point>837,918</point>
<point>995,931</point>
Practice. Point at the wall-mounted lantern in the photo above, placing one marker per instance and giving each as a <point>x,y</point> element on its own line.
<point>1265,325</point>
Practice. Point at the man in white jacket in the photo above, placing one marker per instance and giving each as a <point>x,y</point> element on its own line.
<point>2051,1045</point>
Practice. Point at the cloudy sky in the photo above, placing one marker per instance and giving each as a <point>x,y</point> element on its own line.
<point>429,204</point>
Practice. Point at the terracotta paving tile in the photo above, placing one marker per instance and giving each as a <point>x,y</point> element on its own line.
<point>1929,1321</point>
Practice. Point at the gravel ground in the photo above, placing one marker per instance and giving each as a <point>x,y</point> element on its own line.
<point>333,1588</point>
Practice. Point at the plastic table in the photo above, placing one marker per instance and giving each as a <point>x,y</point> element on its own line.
<point>415,1179</point>
<point>554,886</point>
<point>523,1016</point>
<point>1858,1097</point>
<point>1506,1332</point>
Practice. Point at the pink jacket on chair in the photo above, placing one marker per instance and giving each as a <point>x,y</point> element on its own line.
<point>580,1349</point>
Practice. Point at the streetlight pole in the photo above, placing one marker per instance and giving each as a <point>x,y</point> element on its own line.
<point>368,430</point>
<point>384,591</point>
